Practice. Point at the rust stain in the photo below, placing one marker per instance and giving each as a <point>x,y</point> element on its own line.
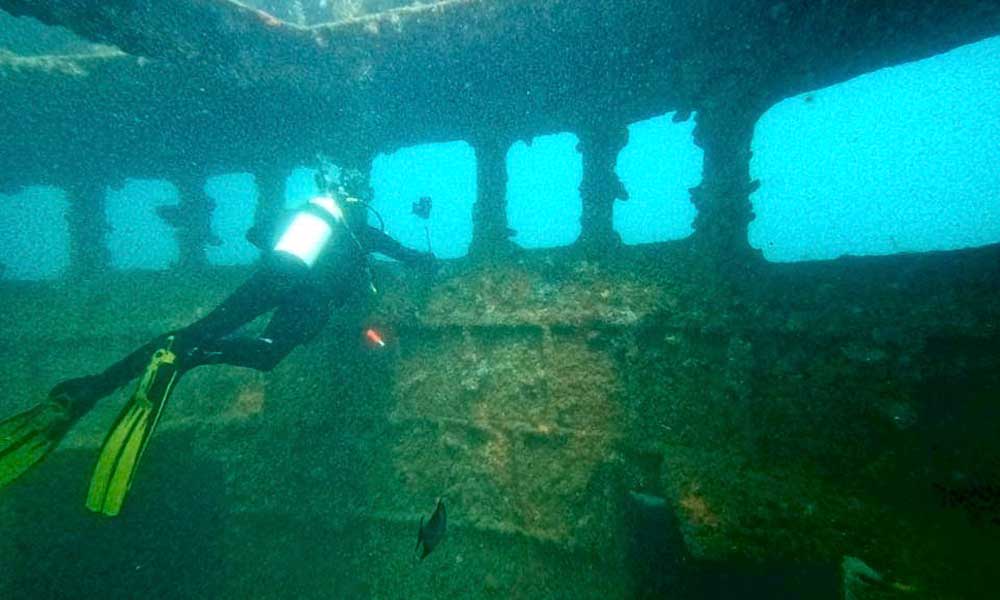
<point>697,509</point>
<point>249,401</point>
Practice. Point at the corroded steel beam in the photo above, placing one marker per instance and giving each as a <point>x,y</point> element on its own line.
<point>224,86</point>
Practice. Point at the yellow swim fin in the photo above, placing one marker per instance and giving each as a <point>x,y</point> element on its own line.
<point>28,437</point>
<point>130,434</point>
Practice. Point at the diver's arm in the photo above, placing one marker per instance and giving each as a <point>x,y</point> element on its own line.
<point>376,240</point>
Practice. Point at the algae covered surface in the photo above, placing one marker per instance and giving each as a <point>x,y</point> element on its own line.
<point>762,445</point>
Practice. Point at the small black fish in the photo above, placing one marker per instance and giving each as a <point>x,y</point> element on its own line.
<point>430,535</point>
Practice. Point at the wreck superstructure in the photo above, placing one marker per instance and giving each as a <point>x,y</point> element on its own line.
<point>758,421</point>
<point>206,88</point>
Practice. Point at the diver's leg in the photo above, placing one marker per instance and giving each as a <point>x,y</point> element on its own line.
<point>26,438</point>
<point>264,290</point>
<point>126,441</point>
<point>296,321</point>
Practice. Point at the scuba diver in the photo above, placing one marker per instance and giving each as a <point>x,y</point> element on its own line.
<point>316,265</point>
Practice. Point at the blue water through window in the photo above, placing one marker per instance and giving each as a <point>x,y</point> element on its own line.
<point>658,167</point>
<point>904,159</point>
<point>543,191</point>
<point>137,237</point>
<point>235,198</point>
<point>34,234</point>
<point>445,173</point>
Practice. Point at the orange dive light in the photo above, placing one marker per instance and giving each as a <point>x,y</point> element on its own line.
<point>374,337</point>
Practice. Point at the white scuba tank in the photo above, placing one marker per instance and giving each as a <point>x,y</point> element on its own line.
<point>311,229</point>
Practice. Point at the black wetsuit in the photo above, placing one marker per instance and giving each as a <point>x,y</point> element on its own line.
<point>302,298</point>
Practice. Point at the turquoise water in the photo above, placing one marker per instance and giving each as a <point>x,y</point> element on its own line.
<point>904,159</point>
